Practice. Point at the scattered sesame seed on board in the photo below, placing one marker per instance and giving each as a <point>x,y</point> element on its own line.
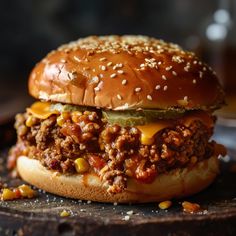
<point>130,212</point>
<point>126,218</point>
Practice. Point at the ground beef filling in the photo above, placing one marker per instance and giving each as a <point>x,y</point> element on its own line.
<point>114,152</point>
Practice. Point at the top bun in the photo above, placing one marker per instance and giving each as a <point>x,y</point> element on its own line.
<point>126,72</point>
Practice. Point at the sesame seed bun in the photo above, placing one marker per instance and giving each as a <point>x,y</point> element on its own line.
<point>179,182</point>
<point>125,72</point>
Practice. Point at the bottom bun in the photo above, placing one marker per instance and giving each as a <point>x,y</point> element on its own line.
<point>174,184</point>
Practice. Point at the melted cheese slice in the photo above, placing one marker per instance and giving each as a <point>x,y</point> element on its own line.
<point>41,110</point>
<point>148,131</point>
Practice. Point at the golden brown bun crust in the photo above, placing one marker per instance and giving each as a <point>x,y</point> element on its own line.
<point>148,73</point>
<point>177,183</point>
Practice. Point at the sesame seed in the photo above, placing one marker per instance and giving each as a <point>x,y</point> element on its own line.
<point>163,77</point>
<point>137,89</point>
<point>97,89</point>
<point>149,97</point>
<point>103,68</point>
<point>165,88</point>
<point>120,72</point>
<point>63,61</point>
<point>159,62</point>
<point>177,59</point>
<point>113,75</point>
<point>109,63</point>
<point>95,79</point>
<point>194,81</point>
<point>142,65</point>
<point>158,87</point>
<point>200,74</point>
<point>77,59</point>
<point>126,218</point>
<point>119,96</point>
<point>204,68</point>
<point>102,59</point>
<point>195,62</point>
<point>130,212</point>
<point>101,75</point>
<point>124,82</point>
<point>185,98</point>
<point>174,73</point>
<point>186,68</point>
<point>168,68</point>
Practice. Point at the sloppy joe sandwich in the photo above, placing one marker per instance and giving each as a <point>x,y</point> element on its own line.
<point>119,119</point>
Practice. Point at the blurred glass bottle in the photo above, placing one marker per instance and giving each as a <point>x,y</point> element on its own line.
<point>219,49</point>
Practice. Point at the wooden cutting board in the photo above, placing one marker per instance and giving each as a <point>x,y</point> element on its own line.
<point>41,216</point>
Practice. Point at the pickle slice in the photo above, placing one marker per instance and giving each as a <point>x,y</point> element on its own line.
<point>123,118</point>
<point>134,118</point>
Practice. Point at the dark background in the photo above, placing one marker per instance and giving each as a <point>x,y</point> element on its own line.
<point>29,29</point>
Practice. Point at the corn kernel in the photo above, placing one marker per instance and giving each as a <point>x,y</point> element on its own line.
<point>75,116</point>
<point>8,194</point>
<point>81,165</point>
<point>165,205</point>
<point>64,213</point>
<point>26,191</point>
<point>62,118</point>
<point>30,121</point>
<point>190,207</point>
